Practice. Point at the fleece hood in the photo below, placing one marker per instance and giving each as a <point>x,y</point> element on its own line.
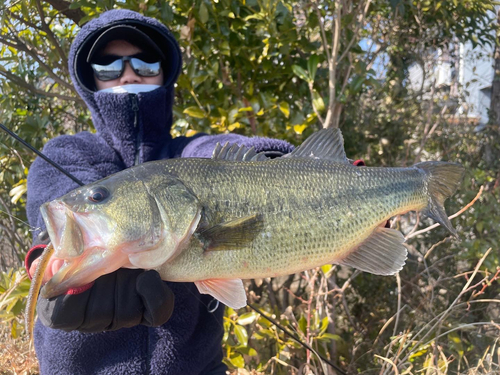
<point>136,126</point>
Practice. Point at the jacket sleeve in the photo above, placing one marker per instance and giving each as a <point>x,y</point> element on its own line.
<point>82,155</point>
<point>203,146</point>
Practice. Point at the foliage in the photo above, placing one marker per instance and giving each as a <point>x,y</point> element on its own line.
<point>16,355</point>
<point>282,69</point>
<point>14,287</point>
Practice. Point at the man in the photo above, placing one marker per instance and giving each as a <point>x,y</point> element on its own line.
<point>124,67</point>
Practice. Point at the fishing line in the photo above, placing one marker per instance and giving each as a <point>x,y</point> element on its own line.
<point>32,229</point>
<point>291,334</point>
<point>30,147</point>
<point>211,309</point>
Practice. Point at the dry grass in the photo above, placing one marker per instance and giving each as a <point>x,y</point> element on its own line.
<point>488,365</point>
<point>16,357</point>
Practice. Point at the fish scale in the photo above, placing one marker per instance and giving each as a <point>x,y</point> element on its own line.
<point>239,216</point>
<point>327,216</point>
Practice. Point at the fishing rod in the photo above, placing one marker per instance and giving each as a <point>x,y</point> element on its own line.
<point>48,160</point>
<point>273,321</point>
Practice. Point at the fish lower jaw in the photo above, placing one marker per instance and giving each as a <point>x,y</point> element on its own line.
<point>75,275</point>
<point>53,267</point>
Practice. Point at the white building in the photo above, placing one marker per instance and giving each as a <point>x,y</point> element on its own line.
<point>463,75</point>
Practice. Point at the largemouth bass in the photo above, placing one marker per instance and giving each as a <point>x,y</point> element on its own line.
<point>239,216</point>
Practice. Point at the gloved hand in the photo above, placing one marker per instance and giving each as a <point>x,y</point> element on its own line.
<point>123,298</point>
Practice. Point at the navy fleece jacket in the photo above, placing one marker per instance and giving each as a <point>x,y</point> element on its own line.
<point>129,129</point>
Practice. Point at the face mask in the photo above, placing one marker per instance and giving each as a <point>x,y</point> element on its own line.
<point>130,89</point>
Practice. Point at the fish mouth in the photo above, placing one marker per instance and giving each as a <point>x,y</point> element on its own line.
<point>65,234</point>
<point>79,271</point>
<point>81,252</point>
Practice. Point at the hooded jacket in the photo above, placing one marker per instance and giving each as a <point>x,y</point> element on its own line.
<point>130,129</point>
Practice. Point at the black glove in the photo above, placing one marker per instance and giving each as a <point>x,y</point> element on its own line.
<point>124,298</point>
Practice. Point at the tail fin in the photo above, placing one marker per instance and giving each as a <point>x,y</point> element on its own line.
<point>443,179</point>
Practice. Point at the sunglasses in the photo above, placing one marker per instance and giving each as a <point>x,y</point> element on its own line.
<point>109,70</point>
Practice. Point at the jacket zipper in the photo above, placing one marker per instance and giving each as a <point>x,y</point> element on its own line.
<point>138,139</point>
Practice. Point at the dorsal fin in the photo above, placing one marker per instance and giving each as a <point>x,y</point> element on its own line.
<point>236,153</point>
<point>324,144</point>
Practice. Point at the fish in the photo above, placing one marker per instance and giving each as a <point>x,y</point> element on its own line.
<point>239,215</point>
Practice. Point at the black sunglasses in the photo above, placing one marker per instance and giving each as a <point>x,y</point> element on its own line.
<point>114,69</point>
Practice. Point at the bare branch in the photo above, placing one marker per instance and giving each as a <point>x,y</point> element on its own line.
<point>23,47</point>
<point>446,239</point>
<point>21,19</point>
<point>62,6</point>
<point>356,31</point>
<point>449,217</point>
<point>332,67</point>
<point>21,82</point>
<point>447,311</point>
<point>51,35</point>
<point>346,77</point>
<point>428,133</point>
<point>398,312</point>
<point>374,56</point>
<point>323,34</point>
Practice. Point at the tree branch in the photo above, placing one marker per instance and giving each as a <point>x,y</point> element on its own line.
<point>51,35</point>
<point>346,77</point>
<point>23,47</point>
<point>332,67</point>
<point>323,34</point>
<point>62,6</point>
<point>21,82</point>
<point>355,35</point>
<point>428,133</point>
<point>21,19</point>
<point>449,217</point>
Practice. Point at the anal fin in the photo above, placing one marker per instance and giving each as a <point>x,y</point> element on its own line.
<point>383,253</point>
<point>230,292</point>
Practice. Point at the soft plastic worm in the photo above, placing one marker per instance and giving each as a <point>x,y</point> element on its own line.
<point>36,284</point>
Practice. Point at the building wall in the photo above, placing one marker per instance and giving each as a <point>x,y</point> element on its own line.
<point>474,77</point>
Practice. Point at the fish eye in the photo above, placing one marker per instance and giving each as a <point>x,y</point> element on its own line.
<point>98,194</point>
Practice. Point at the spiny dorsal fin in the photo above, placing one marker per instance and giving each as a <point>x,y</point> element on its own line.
<point>324,144</point>
<point>236,153</point>
<point>383,253</point>
<point>231,235</point>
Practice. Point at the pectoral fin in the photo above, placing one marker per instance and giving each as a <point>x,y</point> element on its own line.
<point>230,292</point>
<point>232,235</point>
<point>383,253</point>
